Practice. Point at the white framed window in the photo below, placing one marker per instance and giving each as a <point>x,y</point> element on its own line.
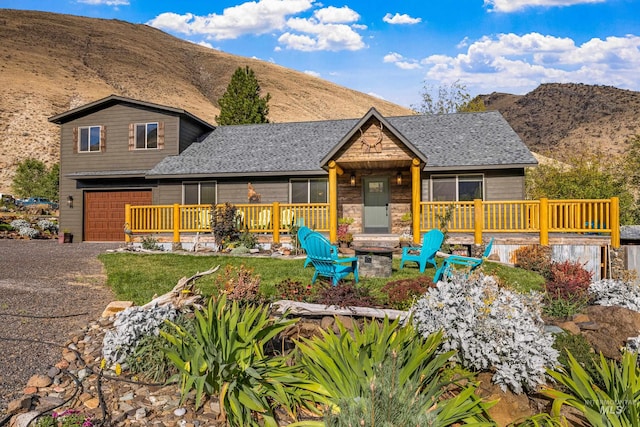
<point>457,188</point>
<point>308,190</point>
<point>146,135</point>
<point>89,139</point>
<point>199,193</point>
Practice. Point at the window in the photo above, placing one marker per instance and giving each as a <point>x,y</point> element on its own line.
<point>199,193</point>
<point>456,188</point>
<point>146,135</point>
<point>89,139</point>
<point>309,190</point>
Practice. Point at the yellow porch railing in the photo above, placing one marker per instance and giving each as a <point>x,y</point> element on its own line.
<point>525,216</point>
<point>522,216</point>
<point>275,218</point>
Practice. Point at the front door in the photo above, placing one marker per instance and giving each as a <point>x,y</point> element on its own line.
<point>376,204</point>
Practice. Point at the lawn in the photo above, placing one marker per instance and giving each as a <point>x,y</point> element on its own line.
<point>138,277</point>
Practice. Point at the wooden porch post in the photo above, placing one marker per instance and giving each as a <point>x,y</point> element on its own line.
<point>544,221</point>
<point>127,221</point>
<point>478,223</point>
<point>615,222</point>
<point>275,222</point>
<point>176,223</point>
<point>415,199</point>
<point>334,171</point>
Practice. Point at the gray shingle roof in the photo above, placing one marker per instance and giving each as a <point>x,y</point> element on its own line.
<point>468,140</point>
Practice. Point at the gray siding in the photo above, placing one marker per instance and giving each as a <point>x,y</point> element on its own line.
<point>168,193</point>
<point>504,185</point>
<point>189,132</point>
<point>270,191</point>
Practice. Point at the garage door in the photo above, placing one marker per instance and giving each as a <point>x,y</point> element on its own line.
<point>104,213</point>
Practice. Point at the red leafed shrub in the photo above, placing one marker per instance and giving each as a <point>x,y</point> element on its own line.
<point>569,280</point>
<point>401,293</point>
<point>346,295</point>
<point>294,290</point>
<point>240,284</point>
<point>536,258</point>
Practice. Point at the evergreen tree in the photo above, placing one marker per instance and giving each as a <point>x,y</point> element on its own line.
<point>33,179</point>
<point>241,103</point>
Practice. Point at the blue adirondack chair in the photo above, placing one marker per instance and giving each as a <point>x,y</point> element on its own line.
<point>426,254</point>
<point>303,232</point>
<point>470,263</point>
<point>325,259</point>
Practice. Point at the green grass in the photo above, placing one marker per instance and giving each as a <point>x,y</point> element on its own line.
<point>138,277</point>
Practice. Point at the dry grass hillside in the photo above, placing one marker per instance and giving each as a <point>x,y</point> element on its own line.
<point>560,120</point>
<point>50,63</point>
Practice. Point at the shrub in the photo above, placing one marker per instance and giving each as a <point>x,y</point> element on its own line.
<point>239,284</point>
<point>294,291</point>
<point>346,295</point>
<point>149,359</point>
<point>385,372</point>
<point>225,356</point>
<point>224,224</point>
<point>130,326</point>
<point>491,328</point>
<point>402,293</point>
<point>17,224</point>
<point>578,346</point>
<point>569,280</point>
<point>29,232</point>
<point>150,243</point>
<point>563,308</point>
<point>615,292</point>
<point>536,258</point>
<point>66,418</point>
<point>46,225</point>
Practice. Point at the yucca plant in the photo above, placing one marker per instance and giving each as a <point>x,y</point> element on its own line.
<point>616,404</point>
<point>351,367</point>
<point>225,356</point>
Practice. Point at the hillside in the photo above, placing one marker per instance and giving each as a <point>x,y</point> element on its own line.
<point>558,120</point>
<point>50,63</point>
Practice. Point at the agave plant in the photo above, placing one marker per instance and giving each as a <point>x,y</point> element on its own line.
<point>225,356</point>
<point>385,373</point>
<point>617,404</point>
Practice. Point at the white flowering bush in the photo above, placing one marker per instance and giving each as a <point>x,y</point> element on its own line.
<point>47,225</point>
<point>492,329</point>
<point>130,326</point>
<point>611,292</point>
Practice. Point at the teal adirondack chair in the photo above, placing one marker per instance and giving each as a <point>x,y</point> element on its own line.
<point>470,263</point>
<point>426,254</point>
<point>325,259</point>
<point>303,232</point>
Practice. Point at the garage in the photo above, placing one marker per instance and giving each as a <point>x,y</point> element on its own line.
<point>104,213</point>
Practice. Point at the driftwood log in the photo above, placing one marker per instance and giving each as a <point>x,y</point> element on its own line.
<point>307,309</point>
<point>184,294</point>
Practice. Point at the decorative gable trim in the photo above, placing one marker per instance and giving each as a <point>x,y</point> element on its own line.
<point>132,139</point>
<point>160,135</point>
<point>75,140</point>
<point>103,139</point>
<point>384,123</point>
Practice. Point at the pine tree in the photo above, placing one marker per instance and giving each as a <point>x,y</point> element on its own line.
<point>241,103</point>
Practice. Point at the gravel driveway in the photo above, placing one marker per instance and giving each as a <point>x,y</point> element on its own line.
<point>44,278</point>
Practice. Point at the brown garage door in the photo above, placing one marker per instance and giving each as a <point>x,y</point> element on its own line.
<point>104,213</point>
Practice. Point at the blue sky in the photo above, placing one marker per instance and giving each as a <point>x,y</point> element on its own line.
<point>393,49</point>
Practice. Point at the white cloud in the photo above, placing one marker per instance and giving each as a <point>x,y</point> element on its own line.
<point>335,15</point>
<point>312,73</point>
<point>400,19</point>
<point>400,61</point>
<point>311,35</point>
<point>517,5</point>
<point>521,62</point>
<point>376,95</point>
<point>253,17</point>
<point>106,2</point>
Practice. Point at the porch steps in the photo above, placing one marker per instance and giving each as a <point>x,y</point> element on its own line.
<point>382,240</point>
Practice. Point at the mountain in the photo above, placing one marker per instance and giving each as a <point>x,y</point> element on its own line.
<point>50,63</point>
<point>561,119</point>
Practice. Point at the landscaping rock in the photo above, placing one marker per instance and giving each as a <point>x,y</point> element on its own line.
<point>616,325</point>
<point>570,327</point>
<point>116,307</point>
<point>510,406</point>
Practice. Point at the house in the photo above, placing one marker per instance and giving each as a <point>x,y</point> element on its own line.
<point>118,151</point>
